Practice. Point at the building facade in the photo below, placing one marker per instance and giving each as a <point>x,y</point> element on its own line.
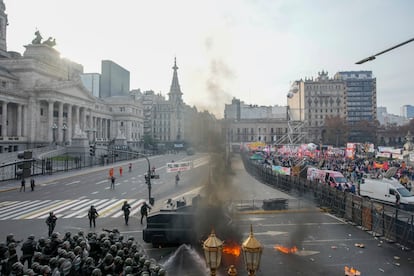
<point>252,123</point>
<point>91,81</point>
<point>314,100</point>
<point>114,80</point>
<point>361,90</point>
<point>43,101</point>
<point>168,121</point>
<point>407,111</point>
<point>349,96</point>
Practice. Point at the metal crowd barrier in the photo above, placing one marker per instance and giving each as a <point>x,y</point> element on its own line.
<point>381,220</point>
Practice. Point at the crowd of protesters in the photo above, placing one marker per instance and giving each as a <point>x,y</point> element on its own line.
<point>352,169</point>
<point>106,253</point>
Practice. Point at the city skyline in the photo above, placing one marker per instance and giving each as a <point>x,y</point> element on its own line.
<point>251,50</point>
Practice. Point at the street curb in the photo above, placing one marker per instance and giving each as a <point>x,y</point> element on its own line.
<point>68,175</point>
<point>9,189</point>
<point>264,212</point>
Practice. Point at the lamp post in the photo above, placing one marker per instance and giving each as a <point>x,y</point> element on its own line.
<point>380,53</point>
<point>64,128</point>
<point>252,253</point>
<point>213,247</point>
<point>54,128</point>
<point>147,177</point>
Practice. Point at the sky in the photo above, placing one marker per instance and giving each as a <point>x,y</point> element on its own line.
<point>248,49</point>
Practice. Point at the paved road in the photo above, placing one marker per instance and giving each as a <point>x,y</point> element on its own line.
<point>325,244</point>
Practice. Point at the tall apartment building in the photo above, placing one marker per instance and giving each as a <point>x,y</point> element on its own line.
<point>361,89</point>
<point>314,100</point>
<point>407,111</point>
<point>350,95</point>
<point>114,80</point>
<point>91,81</point>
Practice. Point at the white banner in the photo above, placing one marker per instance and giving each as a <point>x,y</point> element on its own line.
<point>179,166</point>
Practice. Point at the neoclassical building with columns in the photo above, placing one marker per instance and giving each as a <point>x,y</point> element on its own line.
<point>43,101</point>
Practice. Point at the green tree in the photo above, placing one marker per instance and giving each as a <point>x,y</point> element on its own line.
<point>148,141</point>
<point>335,131</point>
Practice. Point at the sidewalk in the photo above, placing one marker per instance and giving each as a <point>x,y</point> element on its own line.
<point>11,185</point>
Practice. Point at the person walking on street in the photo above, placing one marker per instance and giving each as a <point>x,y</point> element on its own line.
<point>130,167</point>
<point>32,184</point>
<point>120,171</point>
<point>144,211</point>
<point>92,215</point>
<point>51,223</point>
<point>126,209</point>
<point>23,186</point>
<point>112,182</point>
<point>177,178</point>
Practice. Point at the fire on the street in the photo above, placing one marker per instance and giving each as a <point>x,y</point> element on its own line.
<point>350,271</point>
<point>286,250</point>
<point>232,248</point>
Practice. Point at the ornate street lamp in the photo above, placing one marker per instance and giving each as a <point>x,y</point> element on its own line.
<point>54,129</point>
<point>252,253</point>
<point>213,247</point>
<point>64,128</point>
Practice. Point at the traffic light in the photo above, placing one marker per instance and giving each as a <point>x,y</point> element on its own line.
<point>92,149</point>
<point>25,165</point>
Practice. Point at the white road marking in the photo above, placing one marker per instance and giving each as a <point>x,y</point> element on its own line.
<point>81,208</point>
<point>74,204</point>
<point>71,183</point>
<point>69,208</point>
<point>102,181</point>
<point>94,193</point>
<point>13,213</point>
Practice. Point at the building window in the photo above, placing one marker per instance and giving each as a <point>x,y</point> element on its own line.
<point>41,112</point>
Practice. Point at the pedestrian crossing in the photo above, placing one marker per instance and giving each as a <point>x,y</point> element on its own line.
<point>65,208</point>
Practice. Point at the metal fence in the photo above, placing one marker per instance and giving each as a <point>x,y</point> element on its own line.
<point>65,162</point>
<point>380,220</point>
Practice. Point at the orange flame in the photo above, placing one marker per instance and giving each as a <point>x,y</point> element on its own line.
<point>286,250</point>
<point>350,271</point>
<point>232,248</point>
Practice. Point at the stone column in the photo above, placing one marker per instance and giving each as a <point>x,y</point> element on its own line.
<point>95,127</point>
<point>69,124</point>
<point>90,134</point>
<point>77,113</point>
<point>98,127</point>
<point>19,120</point>
<point>50,121</point>
<point>101,128</point>
<point>25,123</point>
<point>4,119</point>
<point>60,123</point>
<point>34,132</point>
<point>84,127</point>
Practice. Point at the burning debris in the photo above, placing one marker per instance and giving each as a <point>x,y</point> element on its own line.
<point>286,250</point>
<point>350,271</point>
<point>232,248</point>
